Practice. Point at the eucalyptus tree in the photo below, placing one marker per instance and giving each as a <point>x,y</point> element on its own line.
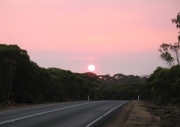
<point>175,49</point>
<point>10,57</point>
<point>166,55</point>
<point>171,52</point>
<point>177,20</point>
<point>176,46</point>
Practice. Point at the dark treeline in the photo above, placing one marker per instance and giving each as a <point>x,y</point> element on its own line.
<point>119,86</point>
<point>121,79</point>
<point>23,81</point>
<point>163,86</point>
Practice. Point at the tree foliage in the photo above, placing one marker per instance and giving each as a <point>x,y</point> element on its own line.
<point>23,81</point>
<point>171,52</point>
<point>164,86</point>
<point>177,20</point>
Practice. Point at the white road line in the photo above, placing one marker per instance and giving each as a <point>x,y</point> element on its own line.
<point>42,113</point>
<point>29,107</point>
<point>104,115</point>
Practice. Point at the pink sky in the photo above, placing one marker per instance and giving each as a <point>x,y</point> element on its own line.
<point>117,36</point>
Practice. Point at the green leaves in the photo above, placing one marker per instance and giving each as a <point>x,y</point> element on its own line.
<point>164,84</point>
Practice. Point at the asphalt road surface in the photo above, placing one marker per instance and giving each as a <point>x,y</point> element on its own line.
<point>69,114</point>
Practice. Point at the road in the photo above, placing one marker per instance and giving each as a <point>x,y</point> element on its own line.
<point>69,114</point>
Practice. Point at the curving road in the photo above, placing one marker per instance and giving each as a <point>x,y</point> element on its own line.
<point>69,114</point>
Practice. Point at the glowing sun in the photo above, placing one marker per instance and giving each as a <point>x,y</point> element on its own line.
<point>91,68</point>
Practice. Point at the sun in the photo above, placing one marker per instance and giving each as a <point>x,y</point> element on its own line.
<point>91,68</point>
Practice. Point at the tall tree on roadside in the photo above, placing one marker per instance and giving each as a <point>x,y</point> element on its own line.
<point>171,52</point>
<point>10,56</point>
<point>176,47</point>
<point>175,51</point>
<point>165,54</point>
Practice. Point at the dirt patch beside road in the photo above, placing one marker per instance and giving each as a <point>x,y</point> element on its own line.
<point>146,114</point>
<point>140,116</point>
<point>135,114</point>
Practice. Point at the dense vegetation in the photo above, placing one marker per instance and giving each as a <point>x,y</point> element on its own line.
<point>23,81</point>
<point>163,86</point>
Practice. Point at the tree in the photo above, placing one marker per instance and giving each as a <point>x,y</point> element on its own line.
<point>177,20</point>
<point>11,56</point>
<point>176,46</point>
<point>165,54</point>
<point>175,51</point>
<point>171,52</point>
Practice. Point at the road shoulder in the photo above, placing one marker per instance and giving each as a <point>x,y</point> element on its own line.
<point>134,114</point>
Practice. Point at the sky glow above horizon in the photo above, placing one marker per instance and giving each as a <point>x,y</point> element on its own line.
<point>117,36</point>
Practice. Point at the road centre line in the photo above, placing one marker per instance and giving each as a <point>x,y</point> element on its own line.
<point>104,115</point>
<point>42,113</point>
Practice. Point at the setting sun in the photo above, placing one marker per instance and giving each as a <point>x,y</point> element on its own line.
<point>91,68</point>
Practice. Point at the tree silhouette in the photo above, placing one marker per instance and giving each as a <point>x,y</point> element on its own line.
<point>171,52</point>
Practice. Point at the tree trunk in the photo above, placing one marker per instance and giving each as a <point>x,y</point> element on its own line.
<point>12,69</point>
